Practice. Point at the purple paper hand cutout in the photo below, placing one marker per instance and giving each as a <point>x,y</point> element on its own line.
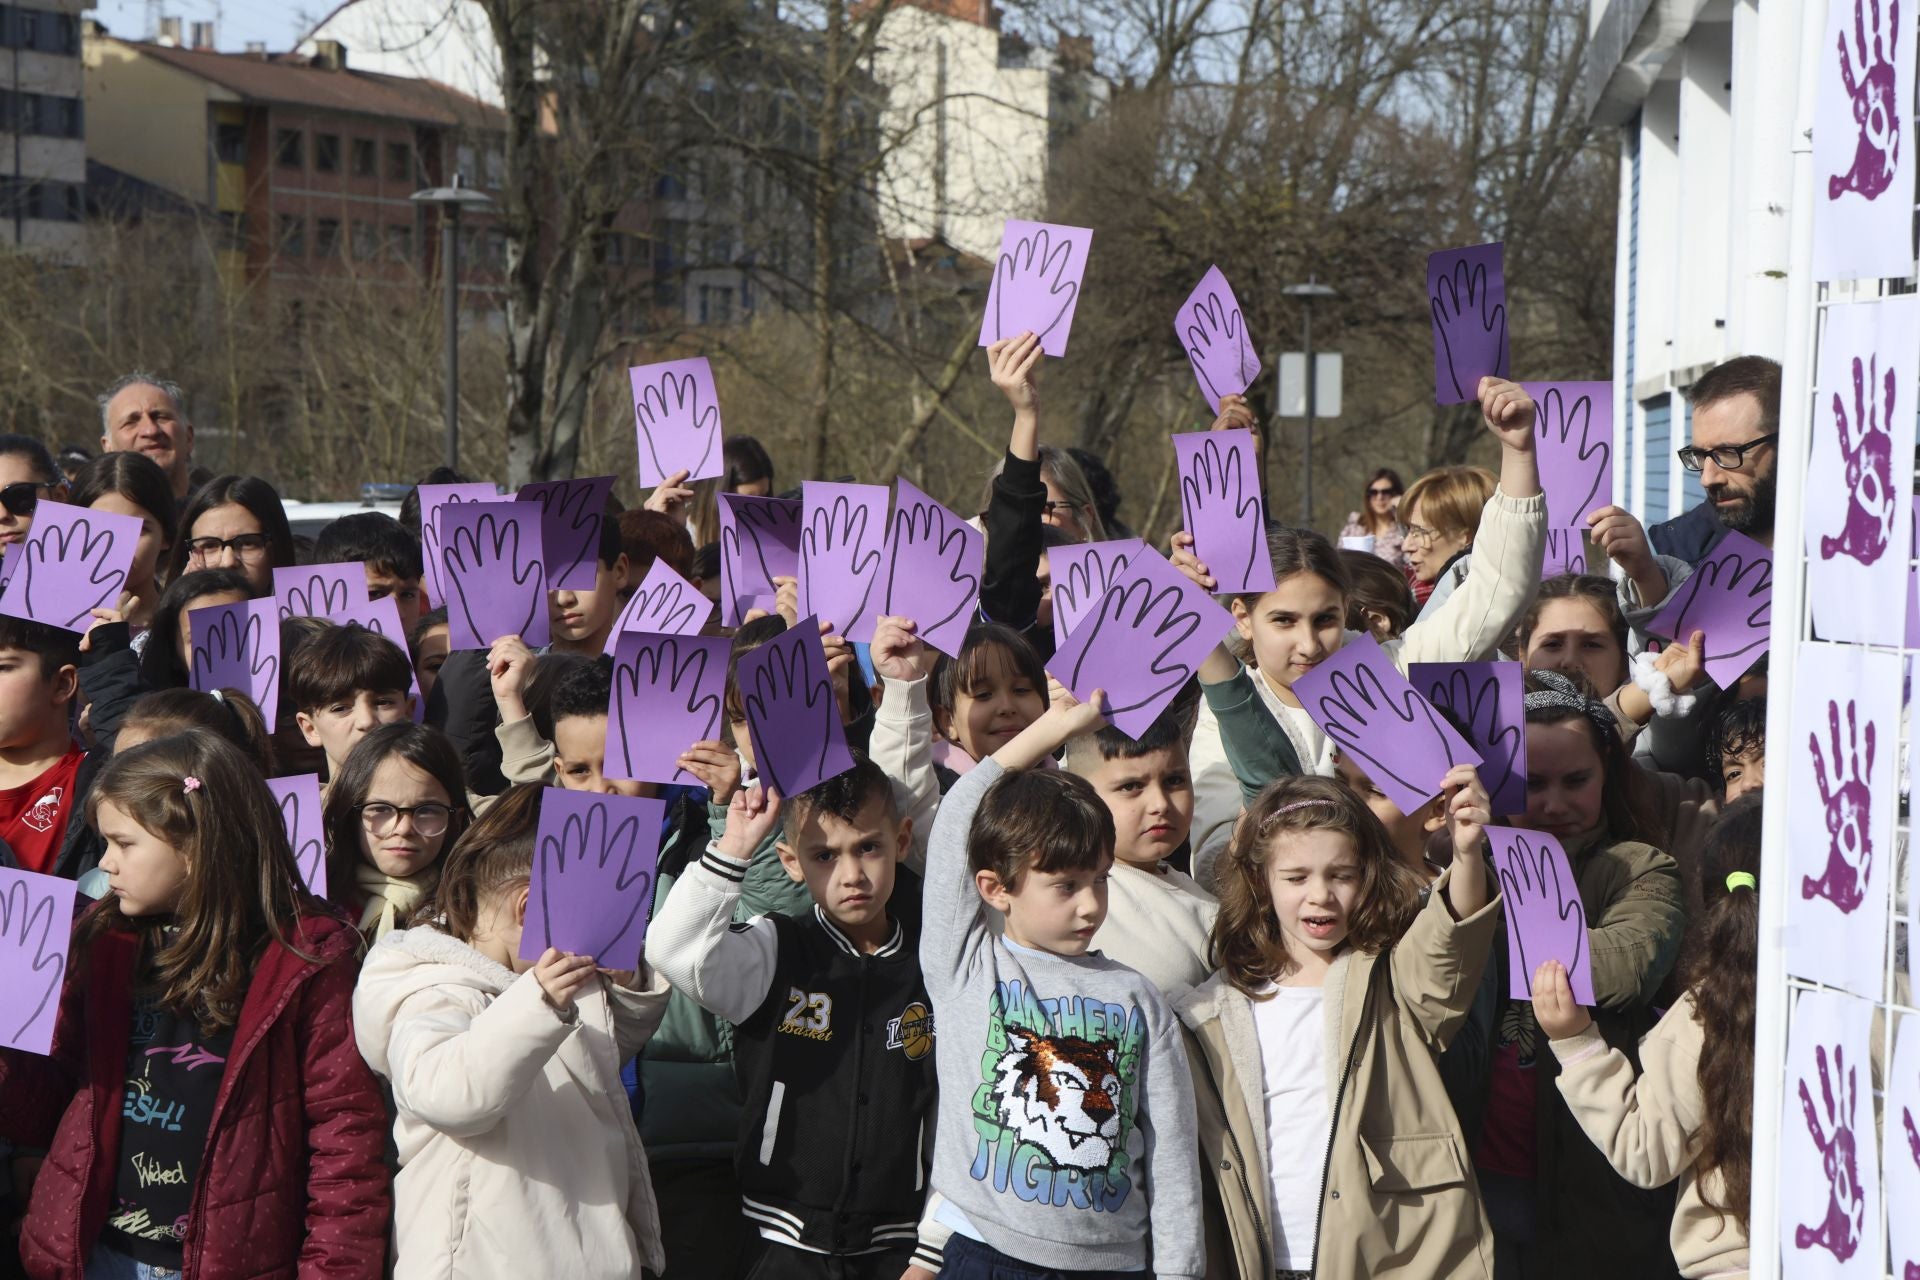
<point>1575,435</point>
<point>1036,283</point>
<point>74,560</point>
<point>1566,552</point>
<point>237,646</point>
<point>1545,917</point>
<point>300,810</point>
<point>1220,501</point>
<point>1841,1231</point>
<point>1375,716</point>
<point>1849,803</point>
<point>432,498</point>
<point>676,414</point>
<point>1730,598</point>
<point>1214,334</point>
<point>664,603</point>
<point>490,561</point>
<point>36,919</point>
<point>667,695</point>
<point>1875,110</point>
<point>593,873</point>
<point>934,563</point>
<point>319,590</point>
<point>794,720</point>
<point>1868,451</point>
<point>1080,574</point>
<point>1134,617</point>
<point>1468,294</point>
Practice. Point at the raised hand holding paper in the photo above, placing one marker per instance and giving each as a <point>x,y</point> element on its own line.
<point>74,560</point>
<point>676,415</point>
<point>1730,598</point>
<point>1036,283</point>
<point>759,541</point>
<point>792,715</point>
<point>667,695</point>
<point>1080,574</point>
<point>490,561</point>
<point>1467,290</point>
<point>570,528</point>
<point>934,565</point>
<point>299,799</point>
<point>1574,439</point>
<point>1143,639</point>
<point>843,537</point>
<point>664,603</point>
<point>1489,699</point>
<point>1213,333</point>
<point>320,590</point>
<point>595,859</point>
<point>36,922</point>
<point>237,646</point>
<point>1545,917</point>
<point>1360,700</point>
<point>1220,503</point>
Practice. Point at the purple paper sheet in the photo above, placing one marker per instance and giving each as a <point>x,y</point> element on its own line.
<point>1545,918</point>
<point>759,541</point>
<point>594,864</point>
<point>1036,283</point>
<point>1142,641</point>
<point>1213,333</point>
<point>1080,574</point>
<point>490,561</point>
<point>1730,597</point>
<point>432,497</point>
<point>1574,434</point>
<point>676,419</point>
<point>1467,291</point>
<point>792,716</point>
<point>73,560</point>
<point>299,800</point>
<point>570,528</point>
<point>843,539</point>
<point>1486,697</point>
<point>36,922</point>
<point>664,603</point>
<point>237,646</point>
<point>1567,551</point>
<point>383,615</point>
<point>1379,721</point>
<point>667,695</point>
<point>934,565</point>
<point>329,591</point>
<point>1220,504</point>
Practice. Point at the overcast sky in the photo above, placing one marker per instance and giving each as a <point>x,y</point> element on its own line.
<point>277,22</point>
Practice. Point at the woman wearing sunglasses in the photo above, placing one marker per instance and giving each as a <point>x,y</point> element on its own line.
<point>235,522</point>
<point>27,474</point>
<point>1379,518</point>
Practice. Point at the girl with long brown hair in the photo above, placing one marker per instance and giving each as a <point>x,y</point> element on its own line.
<point>1688,1114</point>
<point>1379,519</point>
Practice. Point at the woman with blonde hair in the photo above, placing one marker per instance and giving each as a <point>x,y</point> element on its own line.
<point>1441,513</point>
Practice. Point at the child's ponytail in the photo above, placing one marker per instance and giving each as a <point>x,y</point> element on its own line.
<point>227,712</point>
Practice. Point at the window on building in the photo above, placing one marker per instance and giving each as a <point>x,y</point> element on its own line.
<point>716,304</point>
<point>230,142</point>
<point>290,148</point>
<point>400,161</point>
<point>233,229</point>
<point>366,240</point>
<point>496,254</point>
<point>616,249</point>
<point>466,163</point>
<point>40,115</point>
<point>400,241</point>
<point>496,161</point>
<point>326,237</point>
<point>365,157</point>
<point>44,199</point>
<point>293,235</point>
<point>326,153</point>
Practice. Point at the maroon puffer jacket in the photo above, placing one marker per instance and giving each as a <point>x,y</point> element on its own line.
<point>293,1181</point>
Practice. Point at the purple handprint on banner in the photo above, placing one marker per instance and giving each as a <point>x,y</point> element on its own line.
<point>1213,333</point>
<point>1841,1231</point>
<point>593,873</point>
<point>1036,283</point>
<point>676,414</point>
<point>1220,503</point>
<point>1546,919</point>
<point>1467,292</point>
<point>792,715</point>
<point>667,694</point>
<point>36,917</point>
<point>1845,792</point>
<point>1868,452</point>
<point>490,562</point>
<point>1875,106</point>
<point>1913,1146</point>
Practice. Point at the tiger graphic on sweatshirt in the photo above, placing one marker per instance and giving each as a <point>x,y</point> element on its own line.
<point>1061,1094</point>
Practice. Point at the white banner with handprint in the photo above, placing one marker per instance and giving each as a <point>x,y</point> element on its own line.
<point>1902,1147</point>
<point>1840,852</point>
<point>1863,142</point>
<point>1829,1209</point>
<point>1857,535</point>
<point>36,920</point>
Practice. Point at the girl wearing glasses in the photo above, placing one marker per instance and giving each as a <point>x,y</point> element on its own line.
<point>235,522</point>
<point>400,801</point>
<point>1379,517</point>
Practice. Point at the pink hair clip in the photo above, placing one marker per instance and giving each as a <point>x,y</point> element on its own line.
<point>191,785</point>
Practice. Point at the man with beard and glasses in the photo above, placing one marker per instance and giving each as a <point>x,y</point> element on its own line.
<point>1736,426</point>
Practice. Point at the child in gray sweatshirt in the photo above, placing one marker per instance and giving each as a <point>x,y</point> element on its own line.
<point>1065,1141</point>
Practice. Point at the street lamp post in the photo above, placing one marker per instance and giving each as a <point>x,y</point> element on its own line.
<point>1308,293</point>
<point>450,201</point>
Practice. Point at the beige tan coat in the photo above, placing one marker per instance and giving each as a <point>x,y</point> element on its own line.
<point>1399,1195</point>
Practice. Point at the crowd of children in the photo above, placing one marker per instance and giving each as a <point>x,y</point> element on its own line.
<point>1017,996</point>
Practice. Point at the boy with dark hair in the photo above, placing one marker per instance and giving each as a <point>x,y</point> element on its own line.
<point>1066,1119</point>
<point>833,1034</point>
<point>39,675</point>
<point>582,620</point>
<point>344,682</point>
<point>1158,919</point>
<point>647,536</point>
<point>428,642</point>
<point>391,556</point>
<point>1737,748</point>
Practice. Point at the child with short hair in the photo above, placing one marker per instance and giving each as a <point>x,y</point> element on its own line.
<point>1066,1123</point>
<point>395,807</point>
<point>390,555</point>
<point>1736,748</point>
<point>204,1034</point>
<point>343,682</point>
<point>518,1153</point>
<point>581,621</point>
<point>428,644</point>
<point>647,536</point>
<point>39,676</point>
<point>1158,919</point>
<point>828,1167</point>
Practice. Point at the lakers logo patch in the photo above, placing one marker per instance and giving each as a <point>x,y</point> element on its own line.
<point>912,1031</point>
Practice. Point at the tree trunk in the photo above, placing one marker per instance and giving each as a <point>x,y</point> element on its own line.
<point>826,188</point>
<point>527,328</point>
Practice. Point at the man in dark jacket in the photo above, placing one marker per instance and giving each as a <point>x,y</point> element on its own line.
<point>1736,425</point>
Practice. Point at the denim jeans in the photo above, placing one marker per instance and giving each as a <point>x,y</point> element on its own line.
<point>111,1264</point>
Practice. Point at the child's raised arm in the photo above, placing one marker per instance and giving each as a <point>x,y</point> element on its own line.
<point>1010,583</point>
<point>1438,961</point>
<point>1066,717</point>
<point>902,740</point>
<point>690,942</point>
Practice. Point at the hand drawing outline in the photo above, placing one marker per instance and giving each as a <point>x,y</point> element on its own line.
<point>1216,481</point>
<point>62,568</point>
<point>1872,90</point>
<point>1343,718</point>
<point>1849,803</point>
<point>1566,427</point>
<point>917,523</point>
<point>671,607</point>
<point>788,695</point>
<point>670,408</point>
<point>1037,256</point>
<point>752,551</point>
<point>1567,548</point>
<point>27,924</point>
<point>1087,578</point>
<point>1839,1233</point>
<point>1869,469</point>
<point>1528,874</point>
<point>477,554</point>
<point>231,650</point>
<point>1479,709</point>
<point>309,852</point>
<point>1473,334</point>
<point>834,546</point>
<point>597,850</point>
<point>322,595</point>
<point>1217,347</point>
<point>656,662</point>
<point>570,510</point>
<point>1725,575</point>
<point>1131,619</point>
